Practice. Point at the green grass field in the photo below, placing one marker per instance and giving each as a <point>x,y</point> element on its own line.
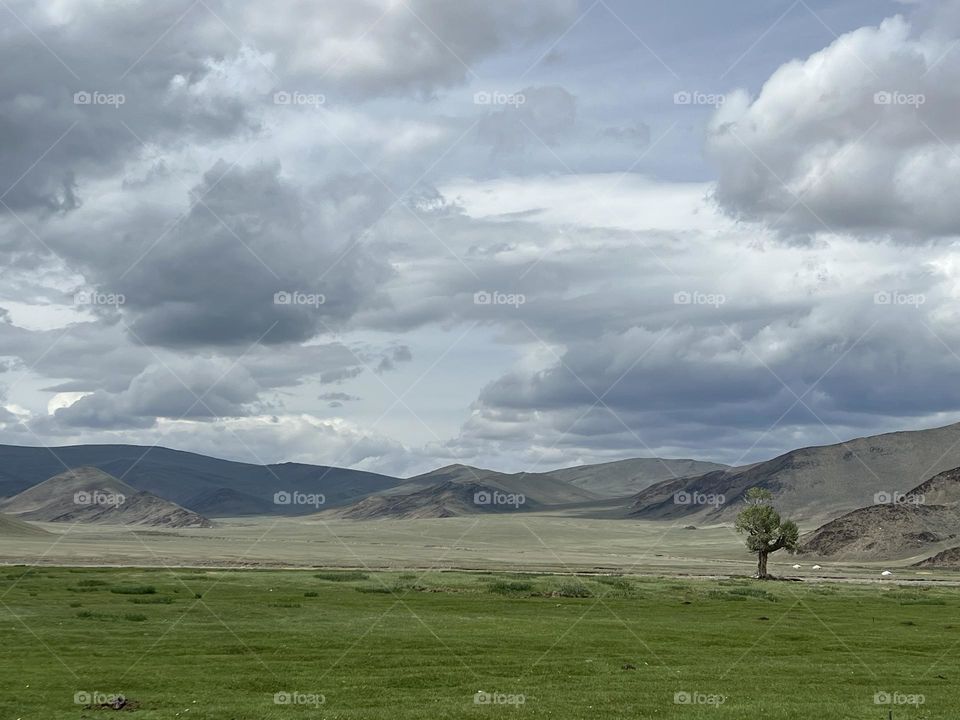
<point>223,644</point>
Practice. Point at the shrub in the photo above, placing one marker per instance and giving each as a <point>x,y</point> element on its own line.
<point>133,589</point>
<point>135,617</point>
<point>342,575</point>
<point>311,594</point>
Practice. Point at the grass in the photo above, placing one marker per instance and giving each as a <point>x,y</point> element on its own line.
<point>412,646</point>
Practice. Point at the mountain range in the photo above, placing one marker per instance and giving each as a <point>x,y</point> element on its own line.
<point>836,490</point>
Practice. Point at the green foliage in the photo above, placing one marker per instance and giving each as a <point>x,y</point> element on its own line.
<point>509,587</point>
<point>133,590</point>
<point>342,576</point>
<point>765,530</point>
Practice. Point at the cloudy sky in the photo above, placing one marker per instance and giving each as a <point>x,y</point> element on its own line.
<point>396,234</point>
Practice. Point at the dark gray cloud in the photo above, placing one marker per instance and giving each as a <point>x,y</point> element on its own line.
<point>197,389</point>
<point>254,259</point>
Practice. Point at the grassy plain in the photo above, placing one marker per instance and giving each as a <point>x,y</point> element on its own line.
<point>222,644</point>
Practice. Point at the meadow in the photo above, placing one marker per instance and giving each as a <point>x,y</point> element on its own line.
<point>245,644</point>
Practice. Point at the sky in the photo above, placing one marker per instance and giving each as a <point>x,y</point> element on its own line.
<point>398,234</point>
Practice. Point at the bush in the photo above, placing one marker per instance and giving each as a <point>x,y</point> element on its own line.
<point>311,594</point>
<point>91,583</point>
<point>133,590</point>
<point>135,617</point>
<point>342,575</point>
<point>158,600</point>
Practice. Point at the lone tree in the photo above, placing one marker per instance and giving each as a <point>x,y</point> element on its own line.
<point>766,531</point>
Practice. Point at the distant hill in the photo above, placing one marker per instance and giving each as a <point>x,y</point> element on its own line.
<point>627,477</point>
<point>445,499</point>
<point>15,527</point>
<point>542,488</point>
<point>464,490</point>
<point>918,522</point>
<point>812,484</point>
<point>191,480</point>
<point>89,495</point>
<point>226,502</point>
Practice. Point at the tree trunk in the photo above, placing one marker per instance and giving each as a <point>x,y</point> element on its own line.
<point>762,566</point>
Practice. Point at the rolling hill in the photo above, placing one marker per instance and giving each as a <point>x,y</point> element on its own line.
<point>462,490</point>
<point>89,495</point>
<point>447,498</point>
<point>812,484</point>
<point>193,481</point>
<point>542,488</point>
<point>622,478</point>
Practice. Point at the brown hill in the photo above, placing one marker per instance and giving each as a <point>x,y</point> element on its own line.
<point>445,499</point>
<point>917,522</point>
<point>949,558</point>
<point>89,495</point>
<point>812,484</point>
<point>541,488</point>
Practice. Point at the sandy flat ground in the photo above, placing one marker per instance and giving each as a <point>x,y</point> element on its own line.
<point>534,542</point>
